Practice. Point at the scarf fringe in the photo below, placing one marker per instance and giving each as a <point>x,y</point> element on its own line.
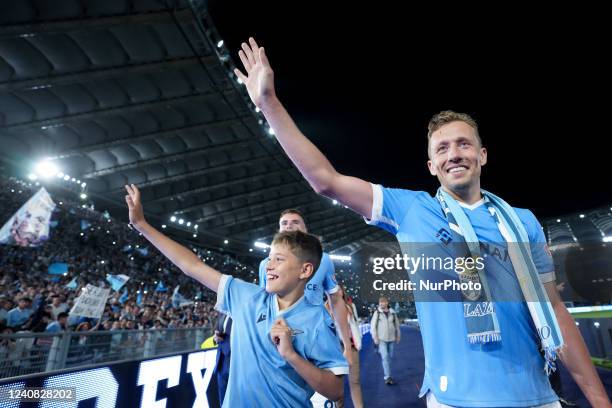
<point>484,337</point>
<point>550,357</point>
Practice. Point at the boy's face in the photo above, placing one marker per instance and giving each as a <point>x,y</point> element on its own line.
<point>456,156</point>
<point>285,271</point>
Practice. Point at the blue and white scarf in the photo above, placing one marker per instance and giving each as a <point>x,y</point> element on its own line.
<point>485,327</point>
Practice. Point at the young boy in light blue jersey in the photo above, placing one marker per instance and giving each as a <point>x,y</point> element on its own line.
<point>283,347</point>
<point>322,282</point>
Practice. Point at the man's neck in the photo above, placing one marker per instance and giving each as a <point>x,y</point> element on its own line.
<point>468,196</point>
<point>288,299</point>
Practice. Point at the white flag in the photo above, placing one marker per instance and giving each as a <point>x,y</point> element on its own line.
<point>29,226</point>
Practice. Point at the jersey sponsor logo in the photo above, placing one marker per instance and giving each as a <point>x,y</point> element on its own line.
<point>295,332</point>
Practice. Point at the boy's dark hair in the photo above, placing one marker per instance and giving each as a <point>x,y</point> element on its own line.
<point>306,247</point>
<point>62,315</point>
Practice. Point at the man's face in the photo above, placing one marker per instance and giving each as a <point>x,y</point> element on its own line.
<point>284,270</point>
<point>456,156</point>
<point>24,304</point>
<point>383,303</point>
<point>291,222</point>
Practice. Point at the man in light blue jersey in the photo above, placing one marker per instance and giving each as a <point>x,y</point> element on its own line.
<point>283,347</point>
<point>323,281</point>
<point>483,354</point>
<point>21,314</point>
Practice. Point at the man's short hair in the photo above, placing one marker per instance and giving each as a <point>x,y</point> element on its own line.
<point>26,299</point>
<point>62,315</point>
<point>306,247</point>
<point>292,211</point>
<point>447,116</point>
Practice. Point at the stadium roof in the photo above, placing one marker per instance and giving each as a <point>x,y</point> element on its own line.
<point>140,92</point>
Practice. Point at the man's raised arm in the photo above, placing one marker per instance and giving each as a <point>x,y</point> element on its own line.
<point>182,257</point>
<point>314,166</point>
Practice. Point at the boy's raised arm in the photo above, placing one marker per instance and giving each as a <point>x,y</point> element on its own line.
<point>180,256</point>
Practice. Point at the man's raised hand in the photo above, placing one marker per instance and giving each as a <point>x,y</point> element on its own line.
<point>137,218</point>
<point>259,78</point>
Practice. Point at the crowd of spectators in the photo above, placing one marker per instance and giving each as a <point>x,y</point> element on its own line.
<point>95,245</point>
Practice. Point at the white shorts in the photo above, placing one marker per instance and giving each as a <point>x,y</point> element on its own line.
<point>432,402</point>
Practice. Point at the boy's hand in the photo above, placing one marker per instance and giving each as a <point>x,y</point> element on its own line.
<point>137,218</point>
<point>281,336</point>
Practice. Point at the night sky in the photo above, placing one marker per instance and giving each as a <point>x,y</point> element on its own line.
<point>362,83</point>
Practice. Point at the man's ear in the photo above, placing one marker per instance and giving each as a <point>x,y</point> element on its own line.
<point>432,169</point>
<point>307,270</point>
<point>483,156</point>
